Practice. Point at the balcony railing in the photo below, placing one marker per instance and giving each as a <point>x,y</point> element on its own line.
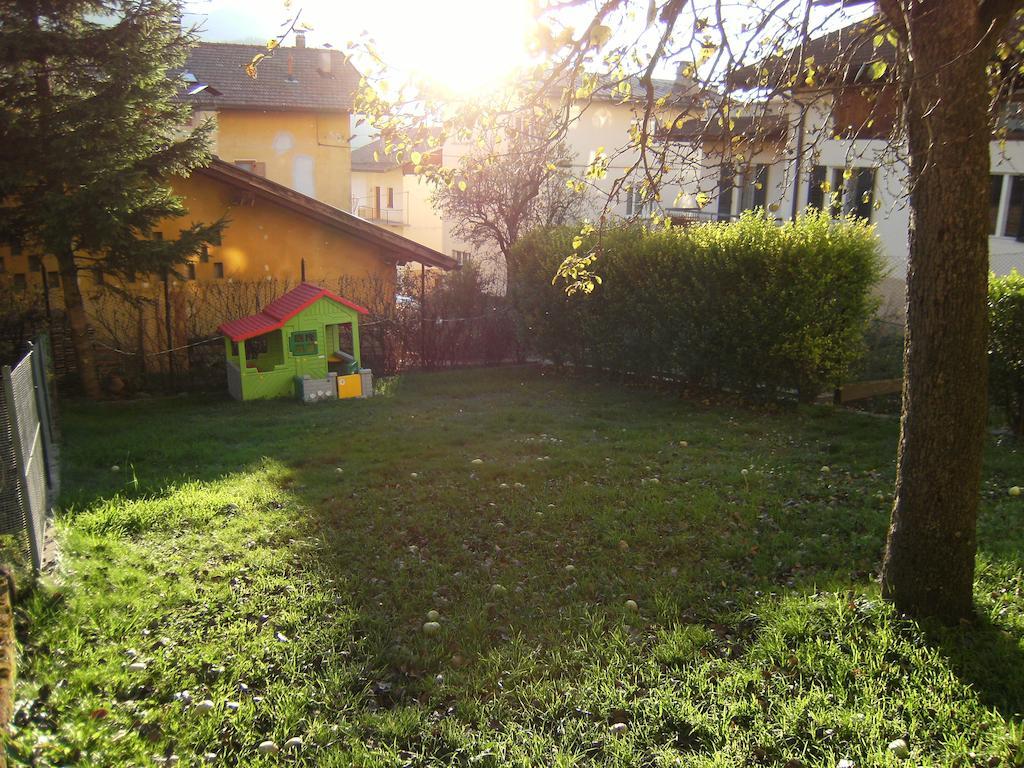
<point>367,208</point>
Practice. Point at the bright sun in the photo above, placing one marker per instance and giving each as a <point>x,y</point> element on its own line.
<point>463,45</point>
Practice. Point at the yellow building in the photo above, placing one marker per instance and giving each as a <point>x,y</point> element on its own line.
<point>283,174</point>
<point>291,123</point>
<point>276,233</point>
<point>281,178</point>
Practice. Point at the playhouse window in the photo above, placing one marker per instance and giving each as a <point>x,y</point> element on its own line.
<point>255,346</point>
<point>303,343</point>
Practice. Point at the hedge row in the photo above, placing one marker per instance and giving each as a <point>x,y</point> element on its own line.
<point>1006,346</point>
<point>751,306</point>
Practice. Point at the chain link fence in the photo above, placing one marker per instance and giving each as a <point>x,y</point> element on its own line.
<point>28,456</point>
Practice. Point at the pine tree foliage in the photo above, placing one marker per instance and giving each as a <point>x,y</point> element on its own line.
<point>91,131</point>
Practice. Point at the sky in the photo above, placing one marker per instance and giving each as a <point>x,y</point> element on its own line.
<point>462,42</point>
<point>466,45</point>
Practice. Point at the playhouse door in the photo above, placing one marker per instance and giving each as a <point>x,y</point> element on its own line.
<point>342,351</point>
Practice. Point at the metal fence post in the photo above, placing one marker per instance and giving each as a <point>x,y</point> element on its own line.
<point>43,411</point>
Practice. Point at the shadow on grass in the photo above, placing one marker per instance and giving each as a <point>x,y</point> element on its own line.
<point>986,657</point>
<point>585,497</point>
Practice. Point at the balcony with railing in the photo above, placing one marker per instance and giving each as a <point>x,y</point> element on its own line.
<point>374,210</point>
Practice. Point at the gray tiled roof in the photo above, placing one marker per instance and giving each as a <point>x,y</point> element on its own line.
<point>289,79</point>
<point>363,159</point>
<point>672,91</point>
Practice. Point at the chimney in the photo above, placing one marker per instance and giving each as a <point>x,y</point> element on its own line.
<point>686,82</point>
<point>300,39</point>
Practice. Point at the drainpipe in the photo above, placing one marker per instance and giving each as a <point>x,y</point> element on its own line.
<point>803,115</point>
<point>798,163</point>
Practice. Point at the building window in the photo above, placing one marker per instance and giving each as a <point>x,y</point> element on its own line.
<point>14,244</point>
<point>1006,206</point>
<point>255,347</point>
<point>842,191</point>
<point>462,257</point>
<point>816,187</point>
<point>190,270</point>
<point>218,269</point>
<point>204,253</point>
<point>635,203</point>
<point>303,343</point>
<point>3,265</point>
<point>20,283</point>
<point>53,279</point>
<point>726,182</point>
<point>98,278</point>
<point>752,185</point>
<point>391,197</point>
<point>755,188</point>
<point>995,199</point>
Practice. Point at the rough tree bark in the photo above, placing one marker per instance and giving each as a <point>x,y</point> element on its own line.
<point>928,570</point>
<point>75,308</point>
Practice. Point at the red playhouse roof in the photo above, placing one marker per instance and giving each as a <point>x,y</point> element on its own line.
<point>280,310</point>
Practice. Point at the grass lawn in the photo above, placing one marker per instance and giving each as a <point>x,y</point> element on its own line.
<point>280,561</point>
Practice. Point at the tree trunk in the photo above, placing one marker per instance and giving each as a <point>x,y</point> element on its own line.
<point>75,308</point>
<point>928,569</point>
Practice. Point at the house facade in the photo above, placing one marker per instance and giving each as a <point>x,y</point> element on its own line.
<point>829,147</point>
<point>392,195</point>
<point>291,123</point>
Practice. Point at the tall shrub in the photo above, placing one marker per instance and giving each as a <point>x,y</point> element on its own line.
<point>1006,346</point>
<point>752,305</point>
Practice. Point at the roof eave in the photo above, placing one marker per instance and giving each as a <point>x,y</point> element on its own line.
<point>327,214</point>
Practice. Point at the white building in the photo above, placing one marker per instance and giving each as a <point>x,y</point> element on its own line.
<point>830,147</point>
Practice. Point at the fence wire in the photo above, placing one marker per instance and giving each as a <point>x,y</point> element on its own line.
<point>27,461</point>
<point>14,527</point>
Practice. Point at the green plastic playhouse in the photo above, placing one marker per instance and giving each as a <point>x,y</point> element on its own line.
<point>304,344</point>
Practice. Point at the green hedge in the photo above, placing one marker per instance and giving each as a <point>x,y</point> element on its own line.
<point>1006,346</point>
<point>752,305</point>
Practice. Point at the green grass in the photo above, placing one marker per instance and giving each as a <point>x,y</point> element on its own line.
<point>283,558</point>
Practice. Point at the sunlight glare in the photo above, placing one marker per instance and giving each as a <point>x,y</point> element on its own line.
<point>463,45</point>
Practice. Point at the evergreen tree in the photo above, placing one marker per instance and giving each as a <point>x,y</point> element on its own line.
<point>90,136</point>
